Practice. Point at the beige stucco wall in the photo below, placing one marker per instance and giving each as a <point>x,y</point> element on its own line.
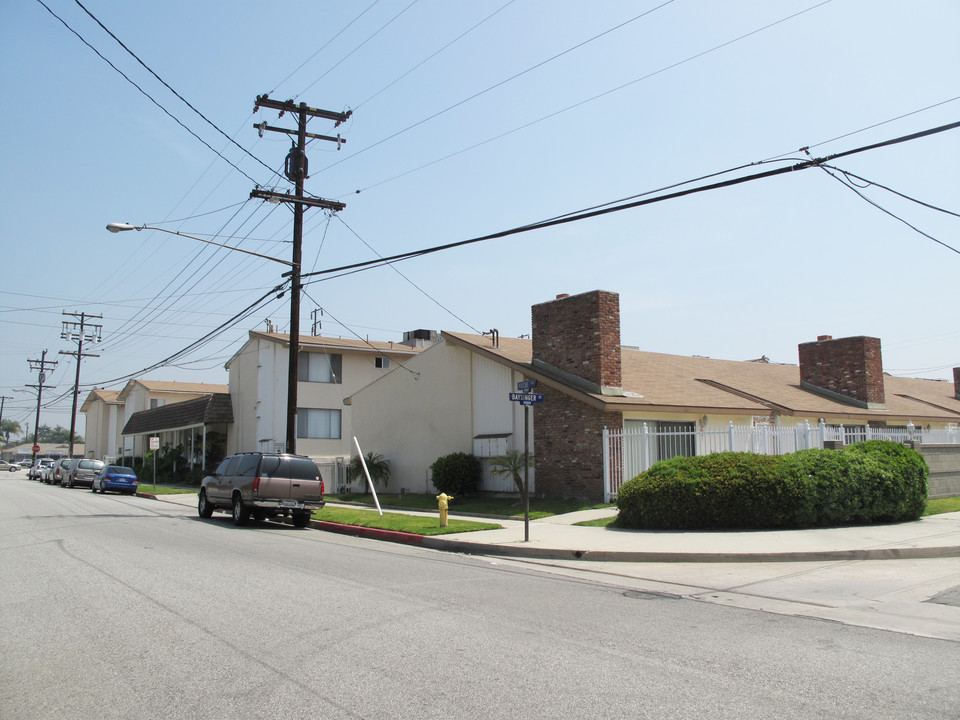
<point>414,416</point>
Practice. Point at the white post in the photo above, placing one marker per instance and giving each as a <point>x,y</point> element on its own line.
<point>730,433</point>
<point>606,465</point>
<point>366,472</point>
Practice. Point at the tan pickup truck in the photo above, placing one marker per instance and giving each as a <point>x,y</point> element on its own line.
<point>263,485</point>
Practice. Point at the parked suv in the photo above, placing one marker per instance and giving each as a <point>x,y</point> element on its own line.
<point>263,485</point>
<point>82,473</point>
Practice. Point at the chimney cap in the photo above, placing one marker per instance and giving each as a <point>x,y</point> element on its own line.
<point>561,296</point>
<point>821,338</point>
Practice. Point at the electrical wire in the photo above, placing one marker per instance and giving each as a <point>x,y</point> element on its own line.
<point>433,55</point>
<point>851,186</point>
<point>167,85</point>
<point>568,108</point>
<point>418,288</point>
<point>501,83</point>
<point>324,46</point>
<point>604,210</point>
<point>146,94</point>
<point>341,60</point>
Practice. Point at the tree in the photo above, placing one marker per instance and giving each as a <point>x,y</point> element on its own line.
<point>10,427</point>
<point>377,466</point>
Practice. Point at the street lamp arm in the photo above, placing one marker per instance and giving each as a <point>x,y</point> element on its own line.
<point>116,227</point>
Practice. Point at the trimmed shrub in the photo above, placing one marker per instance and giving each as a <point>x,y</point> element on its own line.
<point>457,474</point>
<point>876,481</point>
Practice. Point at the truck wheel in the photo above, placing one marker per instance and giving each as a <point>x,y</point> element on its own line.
<point>204,509</point>
<point>301,520</point>
<point>241,513</point>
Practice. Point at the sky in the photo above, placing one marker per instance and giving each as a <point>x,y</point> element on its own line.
<point>469,119</point>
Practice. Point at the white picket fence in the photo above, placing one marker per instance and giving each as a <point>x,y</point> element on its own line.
<point>628,452</point>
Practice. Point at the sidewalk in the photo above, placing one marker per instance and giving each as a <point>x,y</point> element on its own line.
<point>558,538</point>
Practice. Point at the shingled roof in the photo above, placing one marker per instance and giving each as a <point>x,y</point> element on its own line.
<point>212,409</point>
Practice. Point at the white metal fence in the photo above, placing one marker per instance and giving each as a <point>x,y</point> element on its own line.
<point>630,451</point>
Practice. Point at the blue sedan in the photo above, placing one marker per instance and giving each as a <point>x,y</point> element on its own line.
<point>117,478</point>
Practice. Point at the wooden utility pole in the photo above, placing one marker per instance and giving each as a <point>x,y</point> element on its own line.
<point>296,171</point>
<point>41,367</point>
<point>83,331</point>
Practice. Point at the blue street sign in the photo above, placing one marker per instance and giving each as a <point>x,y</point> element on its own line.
<point>526,385</point>
<point>526,398</point>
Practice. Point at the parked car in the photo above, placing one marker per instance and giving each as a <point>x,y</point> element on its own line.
<point>26,464</point>
<point>61,468</point>
<point>46,472</point>
<point>263,485</point>
<point>4,465</point>
<point>83,473</point>
<point>36,471</point>
<point>115,477</point>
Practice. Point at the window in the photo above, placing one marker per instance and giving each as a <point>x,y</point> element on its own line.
<point>156,403</point>
<point>314,423</point>
<point>381,362</point>
<point>319,367</point>
<point>248,465</point>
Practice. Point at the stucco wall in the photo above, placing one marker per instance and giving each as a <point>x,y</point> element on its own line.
<point>413,416</point>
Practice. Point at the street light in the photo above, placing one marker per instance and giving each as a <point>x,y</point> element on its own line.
<point>295,287</point>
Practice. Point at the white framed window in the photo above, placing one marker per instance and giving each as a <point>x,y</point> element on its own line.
<point>382,362</point>
<point>319,367</point>
<point>156,403</point>
<point>318,423</point>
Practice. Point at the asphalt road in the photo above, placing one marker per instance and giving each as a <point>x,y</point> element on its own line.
<point>131,608</point>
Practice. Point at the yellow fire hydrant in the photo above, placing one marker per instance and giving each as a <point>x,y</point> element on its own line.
<point>442,500</point>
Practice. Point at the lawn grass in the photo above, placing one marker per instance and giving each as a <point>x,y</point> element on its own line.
<point>165,489</point>
<point>936,506</point>
<point>509,507</point>
<point>414,524</point>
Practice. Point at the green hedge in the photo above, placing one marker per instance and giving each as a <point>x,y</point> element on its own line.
<point>457,474</point>
<point>870,482</point>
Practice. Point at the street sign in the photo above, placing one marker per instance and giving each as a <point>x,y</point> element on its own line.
<point>36,449</point>
<point>526,385</point>
<point>526,398</point>
<point>154,442</point>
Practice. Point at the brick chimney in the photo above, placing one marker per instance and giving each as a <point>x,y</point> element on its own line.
<point>579,335</point>
<point>956,383</point>
<point>847,369</point>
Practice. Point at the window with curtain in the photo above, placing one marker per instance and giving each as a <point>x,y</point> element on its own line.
<point>318,423</point>
<point>319,367</point>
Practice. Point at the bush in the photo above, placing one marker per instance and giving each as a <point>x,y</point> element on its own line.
<point>875,481</point>
<point>456,474</point>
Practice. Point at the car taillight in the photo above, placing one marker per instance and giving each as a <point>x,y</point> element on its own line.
<point>321,488</point>
<point>256,483</point>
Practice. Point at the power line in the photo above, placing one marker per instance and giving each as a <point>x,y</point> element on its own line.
<point>568,108</point>
<point>167,85</point>
<point>502,82</point>
<point>145,93</point>
<point>604,210</point>
<point>420,289</point>
<point>433,55</point>
<point>847,184</point>
<point>323,47</point>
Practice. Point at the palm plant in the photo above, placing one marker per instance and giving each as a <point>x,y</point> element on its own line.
<point>511,465</point>
<point>8,427</point>
<point>377,465</point>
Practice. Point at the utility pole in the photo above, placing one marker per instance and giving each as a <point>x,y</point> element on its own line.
<point>3,399</point>
<point>316,323</point>
<point>296,171</point>
<point>83,332</point>
<point>40,366</point>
